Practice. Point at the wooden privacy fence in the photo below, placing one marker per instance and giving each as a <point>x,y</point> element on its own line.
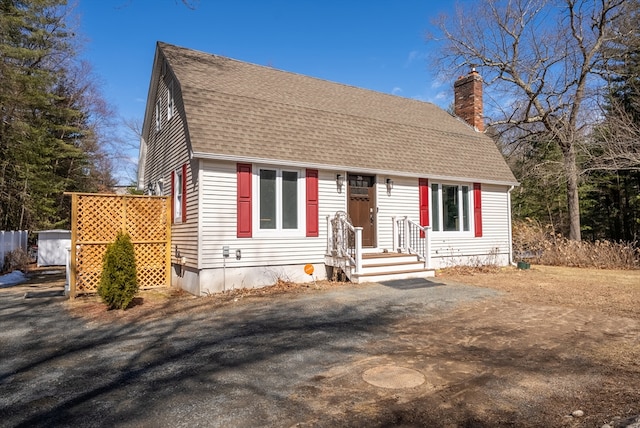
<point>96,219</point>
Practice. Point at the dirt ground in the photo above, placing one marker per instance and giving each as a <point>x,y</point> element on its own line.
<point>560,339</point>
<point>554,347</point>
<point>560,342</point>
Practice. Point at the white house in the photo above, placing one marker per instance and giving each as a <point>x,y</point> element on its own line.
<point>271,171</point>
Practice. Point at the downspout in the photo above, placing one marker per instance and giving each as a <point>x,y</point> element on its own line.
<point>511,262</point>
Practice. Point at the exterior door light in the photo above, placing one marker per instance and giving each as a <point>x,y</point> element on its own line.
<point>339,182</point>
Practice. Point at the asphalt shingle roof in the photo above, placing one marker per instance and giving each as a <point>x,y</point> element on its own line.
<point>238,109</point>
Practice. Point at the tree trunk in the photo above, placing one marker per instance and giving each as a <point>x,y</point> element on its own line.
<point>573,199</point>
<point>24,201</point>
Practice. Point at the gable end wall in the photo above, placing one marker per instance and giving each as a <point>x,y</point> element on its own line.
<point>167,151</point>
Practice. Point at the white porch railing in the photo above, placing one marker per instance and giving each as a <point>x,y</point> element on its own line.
<point>410,237</point>
<point>344,241</point>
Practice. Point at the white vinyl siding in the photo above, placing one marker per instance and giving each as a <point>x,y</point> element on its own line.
<point>450,249</point>
<point>401,202</point>
<point>166,152</point>
<point>218,224</point>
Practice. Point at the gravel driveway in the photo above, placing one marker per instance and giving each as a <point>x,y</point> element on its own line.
<point>254,362</point>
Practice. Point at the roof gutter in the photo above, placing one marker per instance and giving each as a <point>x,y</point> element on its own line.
<point>509,222</point>
<point>297,164</point>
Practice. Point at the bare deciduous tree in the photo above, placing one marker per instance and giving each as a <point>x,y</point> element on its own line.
<point>615,143</point>
<point>539,60</point>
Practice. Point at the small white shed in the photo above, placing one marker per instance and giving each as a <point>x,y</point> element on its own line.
<point>53,246</point>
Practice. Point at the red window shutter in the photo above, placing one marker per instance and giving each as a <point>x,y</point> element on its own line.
<point>423,186</point>
<point>313,229</point>
<point>184,193</point>
<point>173,194</point>
<point>244,200</point>
<point>477,209</point>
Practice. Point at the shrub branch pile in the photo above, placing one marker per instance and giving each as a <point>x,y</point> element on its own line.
<point>15,260</point>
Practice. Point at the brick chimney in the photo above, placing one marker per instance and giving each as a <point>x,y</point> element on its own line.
<point>467,91</point>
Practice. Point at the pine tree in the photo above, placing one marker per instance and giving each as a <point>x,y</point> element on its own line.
<point>45,120</point>
<point>612,202</point>
<point>623,62</point>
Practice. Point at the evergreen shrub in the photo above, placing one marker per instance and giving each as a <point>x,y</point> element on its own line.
<point>119,282</point>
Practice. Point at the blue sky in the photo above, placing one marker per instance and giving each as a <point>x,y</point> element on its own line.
<point>373,44</point>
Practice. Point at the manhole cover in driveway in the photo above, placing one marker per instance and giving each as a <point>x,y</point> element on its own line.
<point>393,377</point>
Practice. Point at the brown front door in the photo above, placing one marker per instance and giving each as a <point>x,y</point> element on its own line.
<point>362,206</point>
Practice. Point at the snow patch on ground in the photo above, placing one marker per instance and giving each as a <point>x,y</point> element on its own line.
<point>13,278</point>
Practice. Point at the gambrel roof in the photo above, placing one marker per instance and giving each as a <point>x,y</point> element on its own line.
<point>246,112</point>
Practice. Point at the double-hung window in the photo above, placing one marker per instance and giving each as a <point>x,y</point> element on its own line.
<point>179,193</point>
<point>170,101</point>
<point>158,118</point>
<point>451,207</point>
<point>280,196</point>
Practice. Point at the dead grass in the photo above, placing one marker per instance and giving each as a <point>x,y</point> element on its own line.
<point>539,244</point>
<point>464,270</point>
<point>615,292</point>
<point>162,302</point>
<point>280,287</point>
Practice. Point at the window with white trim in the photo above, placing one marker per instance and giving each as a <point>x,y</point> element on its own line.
<point>178,195</point>
<point>451,207</point>
<point>158,118</point>
<point>279,194</point>
<point>170,101</point>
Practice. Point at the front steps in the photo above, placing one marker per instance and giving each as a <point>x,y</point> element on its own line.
<point>378,267</point>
